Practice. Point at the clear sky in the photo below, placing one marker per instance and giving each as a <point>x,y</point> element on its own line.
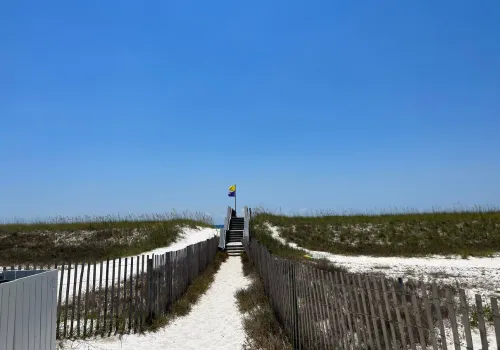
<point>142,106</point>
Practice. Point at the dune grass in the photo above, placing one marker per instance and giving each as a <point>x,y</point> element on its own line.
<point>91,238</point>
<point>475,233</point>
<point>262,328</point>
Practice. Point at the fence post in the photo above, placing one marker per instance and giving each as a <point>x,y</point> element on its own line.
<point>150,290</point>
<point>169,280</point>
<point>295,310</point>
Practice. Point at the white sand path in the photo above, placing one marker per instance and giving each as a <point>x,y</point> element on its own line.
<point>213,323</point>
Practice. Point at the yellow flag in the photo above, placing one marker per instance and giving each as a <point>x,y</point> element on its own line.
<point>232,191</point>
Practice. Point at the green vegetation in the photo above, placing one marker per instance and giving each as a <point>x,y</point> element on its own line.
<point>407,234</point>
<point>91,238</point>
<point>262,328</point>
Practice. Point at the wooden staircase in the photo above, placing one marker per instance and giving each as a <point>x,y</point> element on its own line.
<point>234,236</point>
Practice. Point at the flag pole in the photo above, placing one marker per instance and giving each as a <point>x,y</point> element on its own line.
<point>235,213</point>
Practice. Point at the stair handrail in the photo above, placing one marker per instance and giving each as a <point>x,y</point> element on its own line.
<point>222,236</point>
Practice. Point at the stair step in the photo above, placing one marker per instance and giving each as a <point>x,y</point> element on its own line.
<point>234,253</point>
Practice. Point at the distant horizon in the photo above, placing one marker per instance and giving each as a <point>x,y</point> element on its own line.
<point>220,222</point>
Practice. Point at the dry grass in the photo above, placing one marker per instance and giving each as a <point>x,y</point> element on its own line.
<point>91,238</point>
<point>262,328</point>
<point>474,232</point>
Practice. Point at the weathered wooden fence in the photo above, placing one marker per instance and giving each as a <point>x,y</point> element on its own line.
<point>123,295</point>
<point>321,307</point>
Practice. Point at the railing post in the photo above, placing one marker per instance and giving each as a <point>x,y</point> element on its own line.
<point>150,291</point>
<point>169,280</point>
<point>295,311</point>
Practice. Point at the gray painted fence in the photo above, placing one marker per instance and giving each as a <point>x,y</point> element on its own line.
<point>28,305</point>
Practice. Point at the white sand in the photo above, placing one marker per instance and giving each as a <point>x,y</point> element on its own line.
<point>213,323</point>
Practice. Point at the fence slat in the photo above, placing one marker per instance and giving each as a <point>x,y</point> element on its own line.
<point>344,338</point>
<point>131,296</point>
<point>418,320</point>
<point>94,270</point>
<point>332,325</point>
<point>73,300</point>
<point>323,306</point>
<point>374,315</point>
<point>401,324</point>
<point>365,311</point>
<point>304,330</point>
<point>99,308</point>
<point>356,310</point>
<point>79,315</point>
<point>319,319</point>
<point>66,302</point>
<point>378,300</point>
<point>137,294</point>
<point>437,307</point>
<point>86,313</point>
<point>297,332</point>
<point>465,318</point>
<point>143,294</point>
<point>288,303</point>
<point>481,323</point>
<point>161,287</point>
<point>428,312</point>
<point>309,309</point>
<point>59,309</point>
<point>124,307</point>
<point>496,319</point>
<point>409,325</point>
<point>118,287</point>
<point>169,280</point>
<point>385,296</point>
<point>453,319</point>
<point>112,302</point>
<point>104,319</point>
<point>313,307</point>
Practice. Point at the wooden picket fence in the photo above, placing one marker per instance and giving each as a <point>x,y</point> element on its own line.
<point>124,295</point>
<point>322,307</point>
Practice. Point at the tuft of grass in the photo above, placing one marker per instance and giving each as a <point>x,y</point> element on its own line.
<point>262,328</point>
<point>465,233</point>
<point>91,237</point>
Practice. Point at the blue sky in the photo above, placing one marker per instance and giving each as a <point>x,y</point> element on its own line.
<point>138,107</point>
